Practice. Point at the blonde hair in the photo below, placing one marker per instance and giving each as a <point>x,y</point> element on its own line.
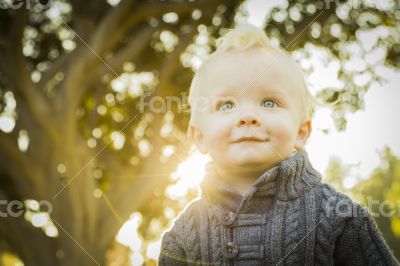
<point>240,38</point>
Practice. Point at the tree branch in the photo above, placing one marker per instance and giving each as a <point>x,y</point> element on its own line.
<point>100,37</point>
<point>16,165</point>
<point>104,42</point>
<point>114,28</point>
<point>130,52</point>
<point>21,83</point>
<point>109,24</point>
<point>58,65</point>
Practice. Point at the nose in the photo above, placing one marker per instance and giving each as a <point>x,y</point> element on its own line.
<point>249,119</point>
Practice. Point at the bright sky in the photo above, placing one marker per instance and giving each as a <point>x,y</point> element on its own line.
<point>367,131</point>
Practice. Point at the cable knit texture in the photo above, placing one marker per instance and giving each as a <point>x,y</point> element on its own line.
<point>287,217</point>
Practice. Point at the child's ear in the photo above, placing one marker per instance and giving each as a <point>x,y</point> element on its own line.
<point>303,134</point>
<point>196,137</point>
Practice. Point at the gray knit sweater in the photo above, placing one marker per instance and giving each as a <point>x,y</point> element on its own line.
<point>288,217</point>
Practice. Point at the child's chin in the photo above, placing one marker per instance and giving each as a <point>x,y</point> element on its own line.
<point>251,161</point>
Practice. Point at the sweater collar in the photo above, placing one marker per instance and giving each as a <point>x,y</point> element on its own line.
<point>288,180</point>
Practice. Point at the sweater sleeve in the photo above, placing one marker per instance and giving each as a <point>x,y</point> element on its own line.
<point>361,243</point>
<point>172,252</point>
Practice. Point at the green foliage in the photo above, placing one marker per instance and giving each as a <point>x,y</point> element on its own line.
<point>335,173</point>
<point>379,193</point>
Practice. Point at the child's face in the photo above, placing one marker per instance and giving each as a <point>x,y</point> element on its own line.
<point>255,119</point>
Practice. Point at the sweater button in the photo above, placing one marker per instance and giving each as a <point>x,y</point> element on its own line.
<point>230,250</point>
<point>228,218</point>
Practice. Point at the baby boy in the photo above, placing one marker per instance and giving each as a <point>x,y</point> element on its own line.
<point>262,202</point>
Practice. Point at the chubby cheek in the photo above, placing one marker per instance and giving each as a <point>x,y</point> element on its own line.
<point>216,137</point>
<point>283,132</point>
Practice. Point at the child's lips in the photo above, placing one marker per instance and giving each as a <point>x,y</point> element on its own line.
<point>249,139</point>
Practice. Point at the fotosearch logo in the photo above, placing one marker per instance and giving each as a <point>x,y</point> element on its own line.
<point>16,208</point>
<point>28,4</point>
<point>347,208</point>
<point>159,104</point>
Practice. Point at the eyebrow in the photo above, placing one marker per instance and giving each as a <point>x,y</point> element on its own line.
<point>225,92</point>
<point>275,92</point>
<point>269,91</point>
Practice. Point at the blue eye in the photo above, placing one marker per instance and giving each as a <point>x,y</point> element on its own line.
<point>268,103</point>
<point>226,106</point>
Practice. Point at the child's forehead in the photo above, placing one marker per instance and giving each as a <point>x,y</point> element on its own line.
<point>251,56</point>
<point>253,70</point>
